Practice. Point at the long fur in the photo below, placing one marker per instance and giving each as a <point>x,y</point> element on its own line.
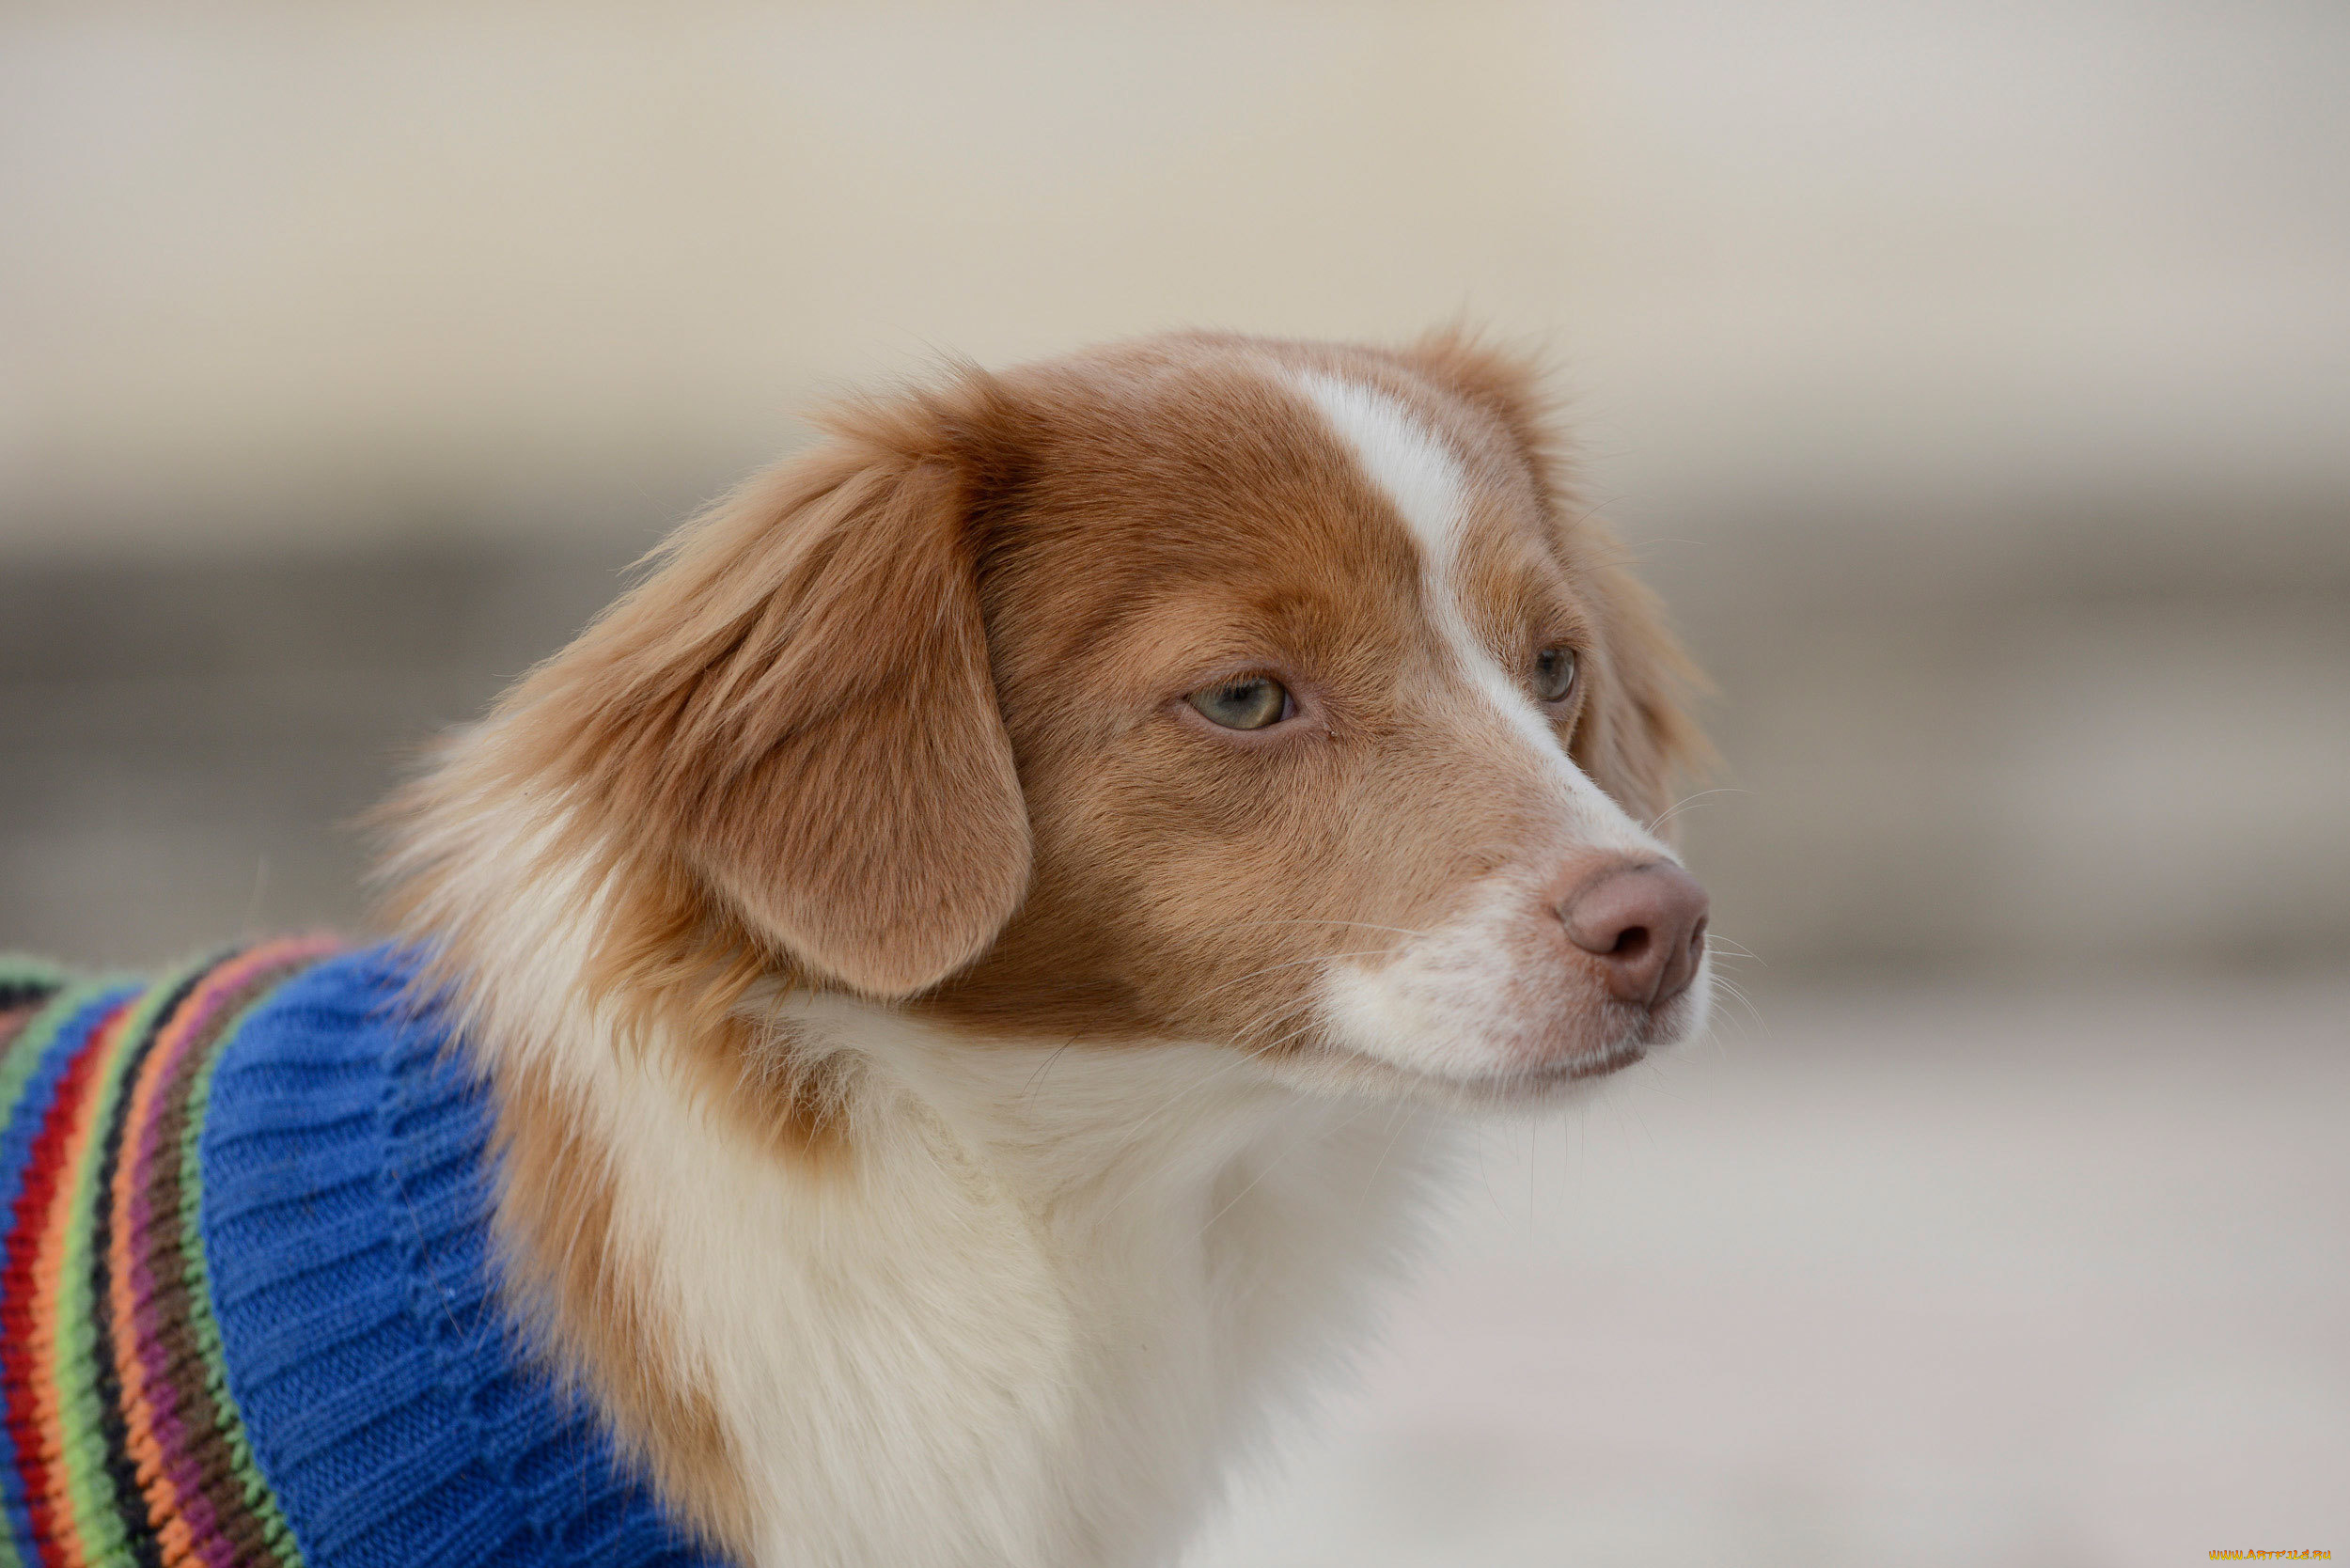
<point>949,1094</point>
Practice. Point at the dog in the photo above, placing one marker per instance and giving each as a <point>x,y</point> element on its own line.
<point>955,992</point>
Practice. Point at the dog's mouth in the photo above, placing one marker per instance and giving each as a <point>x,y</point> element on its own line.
<point>1540,1066</point>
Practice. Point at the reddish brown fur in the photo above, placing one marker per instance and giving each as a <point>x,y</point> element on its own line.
<point>904,716</point>
<point>555,1218</point>
<point>1639,737</point>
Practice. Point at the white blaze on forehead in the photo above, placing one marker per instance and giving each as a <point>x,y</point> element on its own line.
<point>1405,458</point>
<point>1424,481</point>
<point>1471,999</point>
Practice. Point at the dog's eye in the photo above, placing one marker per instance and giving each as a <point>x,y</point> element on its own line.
<point>1553,673</point>
<point>1249,703</point>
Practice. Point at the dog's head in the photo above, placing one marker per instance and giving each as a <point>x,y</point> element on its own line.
<point>1206,689</point>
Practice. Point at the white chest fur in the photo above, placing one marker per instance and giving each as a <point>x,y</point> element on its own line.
<point>1033,1320</point>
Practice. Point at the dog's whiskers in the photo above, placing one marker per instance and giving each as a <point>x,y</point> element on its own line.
<point>1678,807</point>
<point>1718,943</point>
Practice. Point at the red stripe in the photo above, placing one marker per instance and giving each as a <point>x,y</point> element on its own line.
<point>19,1306</point>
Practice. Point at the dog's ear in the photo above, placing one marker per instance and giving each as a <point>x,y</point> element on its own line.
<point>797,708</point>
<point>1637,739</point>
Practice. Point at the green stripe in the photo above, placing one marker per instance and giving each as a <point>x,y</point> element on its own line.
<point>16,1071</point>
<point>24,972</point>
<point>258,1495</point>
<point>17,1065</point>
<point>98,1511</point>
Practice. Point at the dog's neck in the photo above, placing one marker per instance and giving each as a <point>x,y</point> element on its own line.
<point>1026,1308</point>
<point>1020,1308</point>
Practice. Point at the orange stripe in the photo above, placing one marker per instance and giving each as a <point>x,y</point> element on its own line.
<point>138,1413</point>
<point>132,1172</point>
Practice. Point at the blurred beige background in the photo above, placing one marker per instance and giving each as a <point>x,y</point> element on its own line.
<point>1974,379</point>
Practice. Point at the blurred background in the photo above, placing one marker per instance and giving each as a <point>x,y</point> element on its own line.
<point>1974,380</point>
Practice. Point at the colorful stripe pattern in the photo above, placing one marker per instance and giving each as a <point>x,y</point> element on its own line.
<point>121,1443</point>
<point>250,1313</point>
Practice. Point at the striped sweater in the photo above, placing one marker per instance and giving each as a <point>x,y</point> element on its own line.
<point>247,1305</point>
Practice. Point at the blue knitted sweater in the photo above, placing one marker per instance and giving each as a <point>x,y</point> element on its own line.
<point>251,1313</point>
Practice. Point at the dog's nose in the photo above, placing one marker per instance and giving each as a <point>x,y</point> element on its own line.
<point>1646,924</point>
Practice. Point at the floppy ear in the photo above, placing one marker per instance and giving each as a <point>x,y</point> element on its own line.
<point>797,708</point>
<point>1637,739</point>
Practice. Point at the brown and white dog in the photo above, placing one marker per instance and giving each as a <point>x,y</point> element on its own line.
<point>935,943</point>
